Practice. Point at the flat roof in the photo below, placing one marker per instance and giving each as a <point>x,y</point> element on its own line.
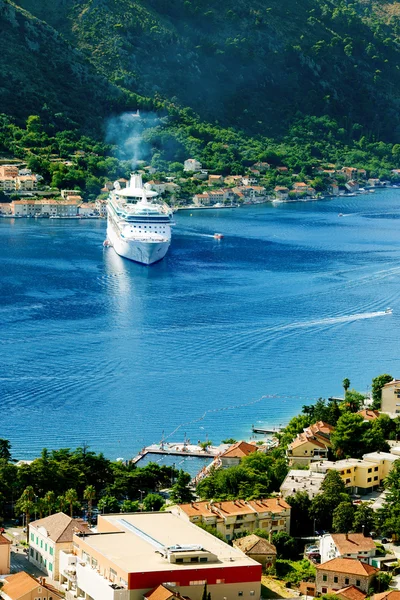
<point>132,551</point>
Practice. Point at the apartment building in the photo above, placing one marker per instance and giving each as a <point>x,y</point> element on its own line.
<point>238,516</point>
<point>347,545</point>
<point>191,164</point>
<point>391,398</point>
<point>301,480</point>
<point>311,445</point>
<point>48,536</point>
<point>132,554</point>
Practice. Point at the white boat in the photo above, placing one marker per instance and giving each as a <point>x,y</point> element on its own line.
<point>138,224</point>
<point>389,311</point>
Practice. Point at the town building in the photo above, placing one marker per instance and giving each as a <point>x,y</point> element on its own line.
<point>66,193</point>
<point>8,184</point>
<point>282,169</point>
<point>157,186</point>
<point>300,480</point>
<point>374,182</point>
<point>346,545</point>
<point>26,182</point>
<point>352,186</point>
<point>233,180</point>
<point>202,199</point>
<point>9,171</point>
<point>67,208</point>
<point>132,554</point>
<point>281,192</point>
<point>162,592</point>
<point>257,548</point>
<point>349,172</point>
<point>303,188</point>
<point>388,595</point>
<point>333,188</point>
<point>23,208</point>
<point>231,518</point>
<point>101,207</point>
<point>48,536</point>
<point>215,180</point>
<point>22,586</point>
<point>88,209</point>
<point>261,166</point>
<point>391,398</point>
<point>234,454</point>
<point>360,476</point>
<point>5,208</point>
<point>311,445</point>
<point>339,573</point>
<point>191,164</point>
<point>368,414</point>
<point>249,179</point>
<point>5,553</point>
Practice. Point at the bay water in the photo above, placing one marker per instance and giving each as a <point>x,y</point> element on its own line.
<point>220,335</point>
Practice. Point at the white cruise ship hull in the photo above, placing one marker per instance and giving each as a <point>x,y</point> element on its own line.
<point>145,252</point>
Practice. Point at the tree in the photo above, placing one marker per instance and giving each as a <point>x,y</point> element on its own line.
<point>364,519</point>
<point>5,449</point>
<point>332,493</point>
<point>181,491</point>
<point>71,497</point>
<point>153,502</point>
<point>129,506</point>
<point>25,505</point>
<point>377,385</point>
<point>108,504</point>
<point>353,400</point>
<point>343,517</point>
<point>381,582</point>
<point>346,384</point>
<point>286,545</point>
<point>49,501</point>
<point>300,523</point>
<point>89,494</point>
<point>347,435</point>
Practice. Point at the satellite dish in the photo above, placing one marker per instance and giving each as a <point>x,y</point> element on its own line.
<point>117,185</point>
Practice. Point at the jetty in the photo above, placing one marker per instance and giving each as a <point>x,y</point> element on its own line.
<point>181,449</point>
<point>266,430</point>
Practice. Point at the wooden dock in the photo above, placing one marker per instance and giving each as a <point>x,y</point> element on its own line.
<point>180,449</point>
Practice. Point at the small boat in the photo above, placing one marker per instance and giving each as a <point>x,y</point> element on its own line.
<point>218,236</point>
<point>107,244</point>
<point>389,311</point>
<point>340,215</point>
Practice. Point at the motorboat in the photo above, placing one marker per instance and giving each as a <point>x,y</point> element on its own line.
<point>218,236</point>
<point>389,311</point>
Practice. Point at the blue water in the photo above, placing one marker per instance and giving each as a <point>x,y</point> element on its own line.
<point>217,337</point>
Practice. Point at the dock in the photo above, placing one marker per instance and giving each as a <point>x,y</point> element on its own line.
<point>268,430</point>
<point>181,449</point>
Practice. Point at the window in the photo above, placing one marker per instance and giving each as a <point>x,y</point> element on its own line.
<point>324,590</point>
<point>335,580</point>
<point>51,550</point>
<point>324,578</point>
<point>358,583</point>
<point>369,480</point>
<point>194,559</point>
<point>50,566</point>
<point>252,592</point>
<point>41,543</point>
<point>220,581</point>
<point>31,551</point>
<point>376,468</point>
<point>198,582</point>
<point>45,547</point>
<point>203,559</point>
<point>376,478</point>
<point>369,470</point>
<point>32,537</point>
<point>37,541</point>
<point>179,560</point>
<point>240,593</point>
<point>348,471</point>
<point>347,581</point>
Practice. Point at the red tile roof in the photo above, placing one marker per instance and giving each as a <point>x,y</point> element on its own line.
<point>239,450</point>
<point>350,566</point>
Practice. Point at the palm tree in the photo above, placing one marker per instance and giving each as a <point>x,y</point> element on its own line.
<point>89,494</point>
<point>346,385</point>
<point>49,500</point>
<point>71,498</point>
<point>40,506</point>
<point>61,503</point>
<point>26,505</point>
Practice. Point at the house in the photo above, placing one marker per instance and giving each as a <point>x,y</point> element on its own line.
<point>346,545</point>
<point>339,573</point>
<point>233,180</point>
<point>101,207</point>
<point>360,476</point>
<point>349,172</point>
<point>282,169</point>
<point>234,454</point>
<point>391,398</point>
<point>87,209</point>
<point>22,586</point>
<point>131,554</point>
<point>351,186</point>
<point>374,182</point>
<point>66,193</point>
<point>333,188</point>
<point>48,536</point>
<point>157,186</point>
<point>202,199</point>
<point>249,180</point>
<point>5,550</point>
<point>307,588</point>
<point>361,173</point>
<point>311,445</point>
<point>215,180</point>
<point>351,592</point>
<point>162,592</point>
<point>26,182</point>
<point>23,208</point>
<point>302,188</point>
<point>8,171</point>
<point>281,192</point>
<point>231,518</point>
<point>257,548</point>
<point>300,480</point>
<point>68,208</point>
<point>368,414</point>
<point>5,208</point>
<point>262,166</point>
<point>8,184</point>
<point>191,164</point>
<point>388,595</point>
<point>47,207</point>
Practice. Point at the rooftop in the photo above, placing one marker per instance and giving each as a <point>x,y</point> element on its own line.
<point>348,543</point>
<point>351,593</point>
<point>299,480</point>
<point>239,450</point>
<point>254,544</point>
<point>60,527</point>
<point>350,566</point>
<point>133,542</point>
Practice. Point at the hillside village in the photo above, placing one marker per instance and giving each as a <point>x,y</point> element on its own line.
<point>298,518</point>
<point>25,194</point>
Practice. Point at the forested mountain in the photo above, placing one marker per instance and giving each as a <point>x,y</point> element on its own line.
<point>252,64</point>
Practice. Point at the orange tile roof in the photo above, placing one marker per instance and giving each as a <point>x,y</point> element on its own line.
<point>161,592</point>
<point>19,585</point>
<point>4,540</point>
<point>274,505</point>
<point>196,509</point>
<point>389,595</point>
<point>351,592</point>
<point>254,544</point>
<point>60,527</point>
<point>394,382</point>
<point>349,543</point>
<point>232,507</point>
<point>351,566</point>
<point>368,414</point>
<point>239,450</point>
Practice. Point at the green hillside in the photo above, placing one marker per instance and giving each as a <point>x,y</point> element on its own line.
<point>253,64</point>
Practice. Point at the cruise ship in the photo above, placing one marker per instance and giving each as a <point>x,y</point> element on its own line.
<point>138,224</point>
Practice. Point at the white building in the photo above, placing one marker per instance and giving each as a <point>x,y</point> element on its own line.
<point>48,536</point>
<point>191,164</point>
<point>347,545</point>
<point>300,480</point>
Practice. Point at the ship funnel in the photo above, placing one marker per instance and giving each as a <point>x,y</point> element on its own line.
<point>136,181</point>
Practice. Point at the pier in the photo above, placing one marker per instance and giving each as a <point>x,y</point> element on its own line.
<point>267,430</point>
<point>181,449</point>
